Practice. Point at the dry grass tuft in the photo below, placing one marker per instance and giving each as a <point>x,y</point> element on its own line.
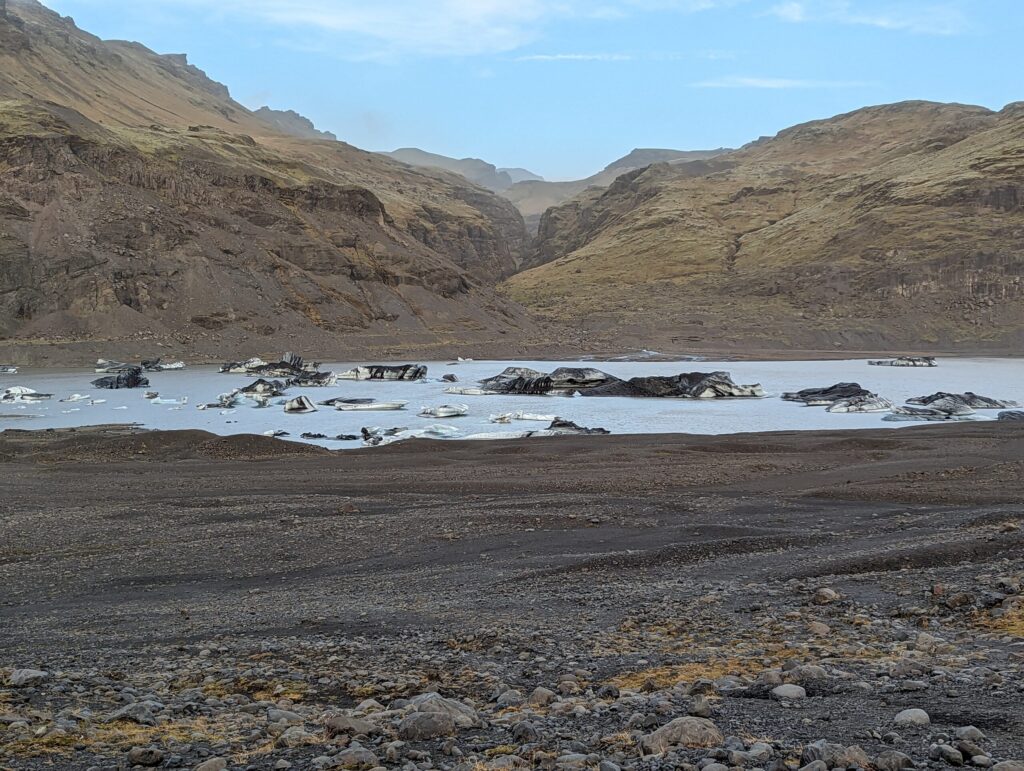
<point>121,736</point>
<point>1012,623</point>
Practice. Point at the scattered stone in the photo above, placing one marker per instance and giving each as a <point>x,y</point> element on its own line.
<point>912,717</point>
<point>134,713</point>
<point>23,678</point>
<point>145,756</point>
<point>352,726</point>
<point>682,732</point>
<point>213,764</point>
<point>420,726</point>
<point>356,757</point>
<point>892,760</point>
<point>825,596</point>
<point>789,692</point>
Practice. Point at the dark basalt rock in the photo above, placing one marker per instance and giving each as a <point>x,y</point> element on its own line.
<point>386,372</point>
<point>312,380</point>
<point>569,428</point>
<point>335,401</point>
<point>530,381</point>
<point>130,378</point>
<point>829,395</point>
<point>519,380</point>
<point>299,405</point>
<point>593,382</point>
<point>905,361</point>
<point>954,412</point>
<point>290,366</point>
<point>942,399</point>
<point>687,385</point>
<point>264,387</point>
<point>580,378</point>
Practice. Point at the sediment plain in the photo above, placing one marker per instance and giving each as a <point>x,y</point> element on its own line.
<point>181,600</point>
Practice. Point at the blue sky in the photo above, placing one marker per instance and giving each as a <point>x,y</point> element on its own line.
<point>563,87</point>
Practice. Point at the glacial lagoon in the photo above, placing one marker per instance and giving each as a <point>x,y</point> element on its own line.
<point>995,377</point>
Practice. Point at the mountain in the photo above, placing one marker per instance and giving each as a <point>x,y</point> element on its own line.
<point>891,227</point>
<point>521,175</point>
<point>645,156</point>
<point>291,123</point>
<point>532,198</point>
<point>144,210</point>
<point>475,170</point>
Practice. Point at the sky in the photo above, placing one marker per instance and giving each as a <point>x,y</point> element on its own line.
<point>564,87</point>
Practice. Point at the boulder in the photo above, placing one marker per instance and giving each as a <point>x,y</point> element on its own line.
<point>912,717</point>
<point>968,399</point>
<point>23,678</point>
<point>420,726</point>
<point>352,726</point>
<point>130,378</point>
<point>461,714</point>
<point>356,757</point>
<point>541,697</point>
<point>213,764</point>
<point>295,736</point>
<point>682,732</point>
<point>835,755</point>
<point>283,716</point>
<point>893,760</point>
<point>134,713</point>
<point>824,397</point>
<point>788,692</point>
<point>145,756</point>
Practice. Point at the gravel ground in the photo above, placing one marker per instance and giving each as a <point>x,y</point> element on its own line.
<point>807,600</point>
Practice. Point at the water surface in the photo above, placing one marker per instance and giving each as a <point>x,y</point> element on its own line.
<point>1000,378</point>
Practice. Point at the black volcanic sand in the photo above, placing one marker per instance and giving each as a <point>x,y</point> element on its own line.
<point>233,594</point>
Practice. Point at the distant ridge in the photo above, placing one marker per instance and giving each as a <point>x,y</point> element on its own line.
<point>290,122</point>
<point>477,171</point>
<point>533,197</point>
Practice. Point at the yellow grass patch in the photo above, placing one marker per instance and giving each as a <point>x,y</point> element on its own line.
<point>1011,623</point>
<point>501,749</point>
<point>122,736</point>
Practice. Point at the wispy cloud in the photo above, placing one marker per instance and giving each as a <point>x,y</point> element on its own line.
<point>396,28</point>
<point>575,58</point>
<point>927,18</point>
<point>736,81</point>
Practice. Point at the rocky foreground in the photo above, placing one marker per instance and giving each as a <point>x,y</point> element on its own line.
<point>781,601</point>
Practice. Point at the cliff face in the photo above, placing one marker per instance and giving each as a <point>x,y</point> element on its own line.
<point>139,202</point>
<point>895,226</point>
<point>291,123</point>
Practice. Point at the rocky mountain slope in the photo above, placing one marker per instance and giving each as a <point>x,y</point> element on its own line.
<point>890,227</point>
<point>534,197</point>
<point>142,209</point>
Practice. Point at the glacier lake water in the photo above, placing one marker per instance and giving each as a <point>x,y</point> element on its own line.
<point>999,378</point>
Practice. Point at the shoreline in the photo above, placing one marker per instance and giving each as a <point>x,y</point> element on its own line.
<point>85,353</point>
